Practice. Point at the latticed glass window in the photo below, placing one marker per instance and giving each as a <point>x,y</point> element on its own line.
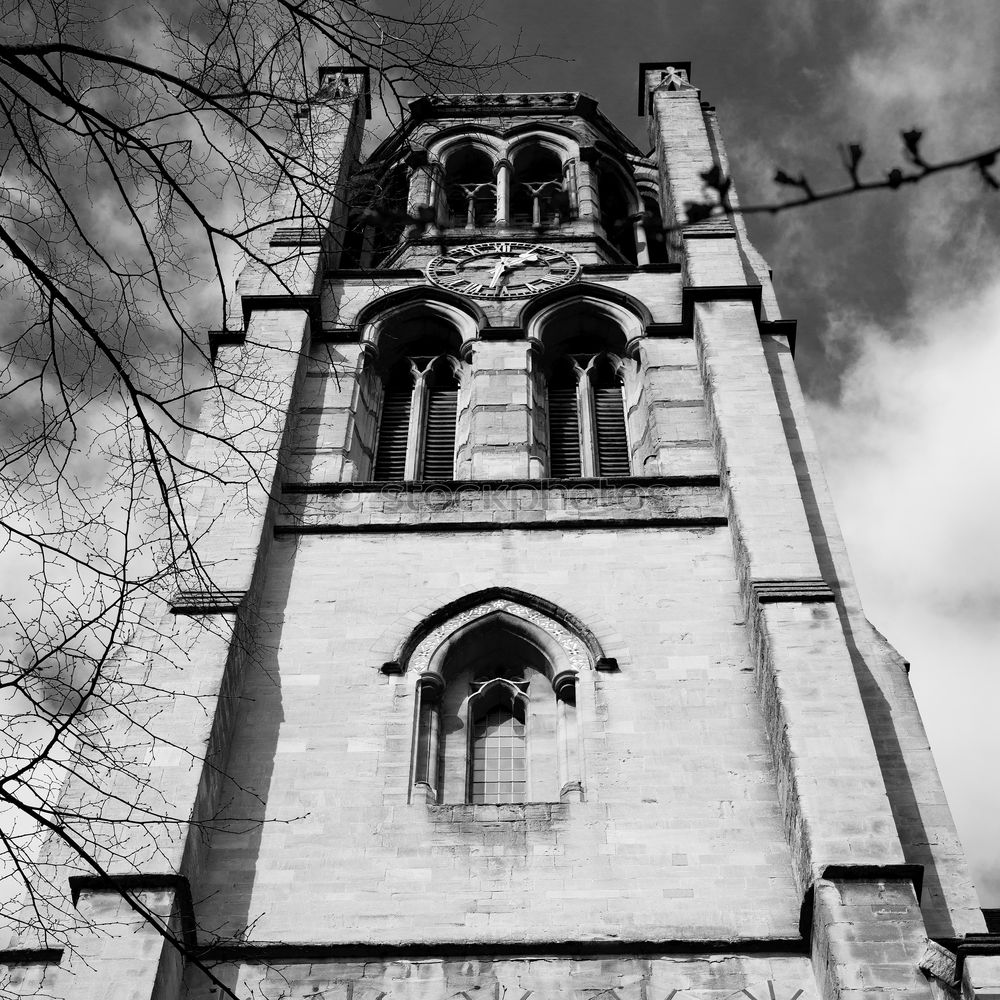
<point>498,755</point>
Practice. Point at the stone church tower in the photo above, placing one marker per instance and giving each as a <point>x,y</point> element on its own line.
<point>534,667</point>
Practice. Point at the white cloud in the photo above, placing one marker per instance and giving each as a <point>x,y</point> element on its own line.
<point>912,452</point>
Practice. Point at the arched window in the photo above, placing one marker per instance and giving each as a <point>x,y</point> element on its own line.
<point>441,396</point>
<point>564,421</point>
<point>498,749</point>
<point>537,197</point>
<point>616,213</point>
<point>587,429</point>
<point>394,422</point>
<point>377,219</point>
<point>419,408</point>
<point>470,188</point>
<point>496,712</point>
<point>611,456</point>
<point>656,238</point>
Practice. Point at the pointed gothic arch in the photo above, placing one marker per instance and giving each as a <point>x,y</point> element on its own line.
<point>413,386</point>
<point>530,604</point>
<point>590,387</point>
<point>496,721</point>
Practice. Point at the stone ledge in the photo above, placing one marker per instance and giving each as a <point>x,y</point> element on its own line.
<point>123,885</point>
<point>463,812</point>
<point>567,524</point>
<point>377,486</point>
<point>272,951</point>
<point>483,505</point>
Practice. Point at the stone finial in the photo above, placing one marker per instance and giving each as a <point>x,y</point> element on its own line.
<point>674,78</point>
<point>668,77</point>
<point>343,83</point>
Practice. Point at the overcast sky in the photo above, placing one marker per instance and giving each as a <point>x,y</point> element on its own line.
<point>897,298</point>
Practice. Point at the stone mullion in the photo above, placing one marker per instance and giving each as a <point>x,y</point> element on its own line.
<point>415,434</point>
<point>503,173</point>
<point>586,181</point>
<point>588,437</point>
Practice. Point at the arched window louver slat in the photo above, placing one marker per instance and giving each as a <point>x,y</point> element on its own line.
<point>609,427</point>
<point>393,432</point>
<point>564,429</point>
<point>439,435</point>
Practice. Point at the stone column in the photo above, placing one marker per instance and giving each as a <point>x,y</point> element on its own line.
<point>586,184</point>
<point>499,418</point>
<point>427,749</point>
<point>570,778</point>
<point>420,181</point>
<point>503,174</point>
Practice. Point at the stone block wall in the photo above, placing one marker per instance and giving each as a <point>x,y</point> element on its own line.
<point>679,835</point>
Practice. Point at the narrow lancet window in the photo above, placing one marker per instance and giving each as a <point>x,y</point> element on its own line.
<point>564,423</point>
<point>442,412</point>
<point>610,437</point>
<point>394,425</point>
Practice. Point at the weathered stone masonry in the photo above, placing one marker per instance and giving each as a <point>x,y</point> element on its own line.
<point>726,788</point>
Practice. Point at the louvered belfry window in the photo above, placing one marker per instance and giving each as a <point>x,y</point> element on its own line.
<point>587,430</point>
<point>564,424</point>
<point>416,430</point>
<point>610,440</point>
<point>439,429</point>
<point>394,425</point>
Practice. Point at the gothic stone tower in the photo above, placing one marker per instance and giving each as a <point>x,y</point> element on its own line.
<point>540,670</point>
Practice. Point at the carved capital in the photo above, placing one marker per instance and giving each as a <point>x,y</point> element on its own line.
<point>674,78</point>
<point>431,686</point>
<point>564,685</point>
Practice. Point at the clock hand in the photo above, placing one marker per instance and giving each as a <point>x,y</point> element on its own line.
<point>498,270</point>
<point>528,257</point>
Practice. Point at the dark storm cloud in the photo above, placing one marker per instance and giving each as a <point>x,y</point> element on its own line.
<point>897,295</point>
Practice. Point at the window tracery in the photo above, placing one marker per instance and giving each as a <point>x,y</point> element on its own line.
<point>654,234</point>
<point>470,188</point>
<point>584,377</point>
<point>416,434</point>
<point>537,196</point>
<point>413,380</point>
<point>496,715</point>
<point>377,219</point>
<point>616,212</point>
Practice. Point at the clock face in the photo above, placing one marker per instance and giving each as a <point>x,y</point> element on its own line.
<point>503,270</point>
